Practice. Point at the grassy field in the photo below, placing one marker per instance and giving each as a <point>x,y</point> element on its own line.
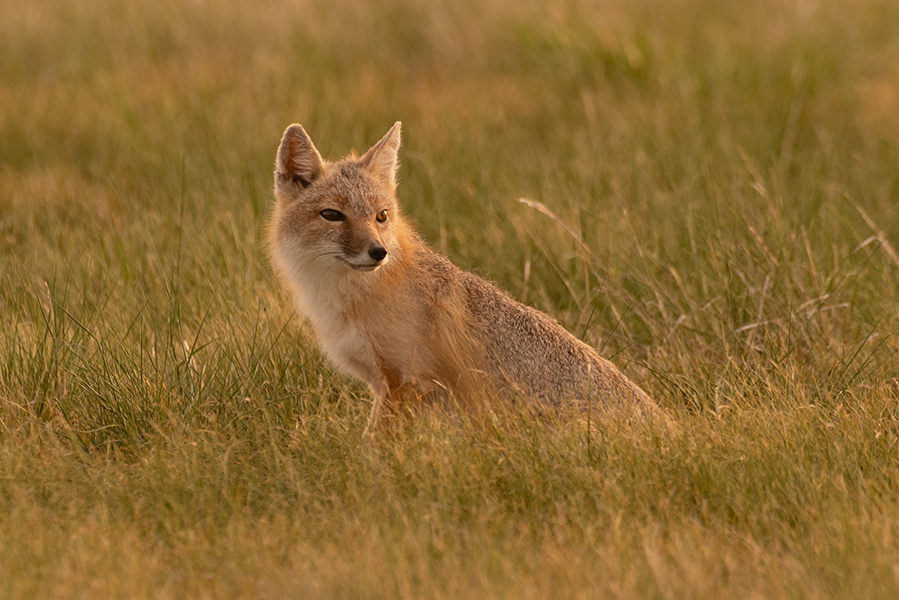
<point>169,430</point>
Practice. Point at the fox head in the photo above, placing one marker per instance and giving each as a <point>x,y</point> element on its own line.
<point>342,214</point>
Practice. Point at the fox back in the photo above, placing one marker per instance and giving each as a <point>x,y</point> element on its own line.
<point>390,311</point>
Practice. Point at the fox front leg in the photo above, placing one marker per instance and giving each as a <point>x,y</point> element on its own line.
<point>384,398</point>
<point>373,417</point>
<point>390,398</point>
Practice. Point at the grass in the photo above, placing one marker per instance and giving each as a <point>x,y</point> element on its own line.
<point>168,429</point>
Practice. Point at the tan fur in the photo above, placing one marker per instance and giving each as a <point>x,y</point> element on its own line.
<point>409,323</point>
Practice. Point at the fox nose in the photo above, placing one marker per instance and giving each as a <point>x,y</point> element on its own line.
<point>377,252</point>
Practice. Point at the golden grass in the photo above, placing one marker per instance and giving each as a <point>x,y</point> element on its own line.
<point>168,429</point>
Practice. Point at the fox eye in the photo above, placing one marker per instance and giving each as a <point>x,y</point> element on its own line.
<point>332,215</point>
<point>381,216</point>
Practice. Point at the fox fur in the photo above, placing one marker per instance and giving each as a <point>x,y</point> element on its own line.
<point>392,312</point>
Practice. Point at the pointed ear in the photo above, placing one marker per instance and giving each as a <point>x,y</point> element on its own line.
<point>298,161</point>
<point>381,159</point>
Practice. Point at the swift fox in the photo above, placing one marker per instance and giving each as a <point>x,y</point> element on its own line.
<point>389,310</point>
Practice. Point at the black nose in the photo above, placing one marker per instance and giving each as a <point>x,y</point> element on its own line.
<point>377,253</point>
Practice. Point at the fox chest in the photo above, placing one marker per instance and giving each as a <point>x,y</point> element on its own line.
<point>341,339</point>
<point>349,348</point>
<point>367,348</point>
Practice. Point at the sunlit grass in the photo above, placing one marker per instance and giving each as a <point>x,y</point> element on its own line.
<point>168,428</point>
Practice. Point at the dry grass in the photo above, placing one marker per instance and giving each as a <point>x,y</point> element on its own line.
<point>168,429</point>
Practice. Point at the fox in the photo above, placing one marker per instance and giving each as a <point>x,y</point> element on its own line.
<point>390,311</point>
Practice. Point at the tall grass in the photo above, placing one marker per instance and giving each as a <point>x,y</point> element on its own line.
<point>727,177</point>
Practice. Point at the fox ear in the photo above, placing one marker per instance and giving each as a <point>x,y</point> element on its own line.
<point>298,161</point>
<point>381,159</point>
